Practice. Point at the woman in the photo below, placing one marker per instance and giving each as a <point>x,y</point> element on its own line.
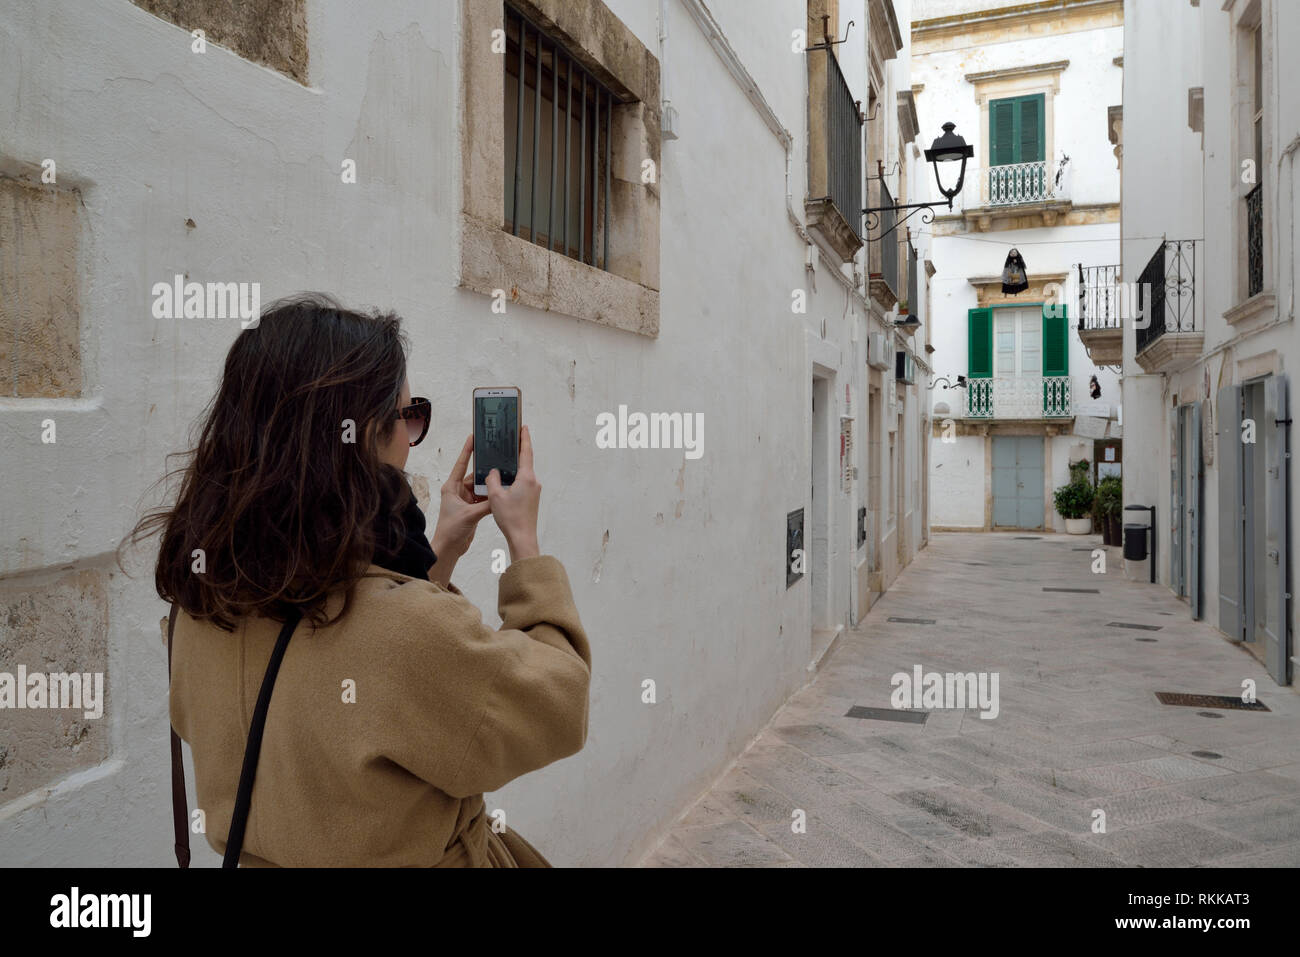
<point>394,707</point>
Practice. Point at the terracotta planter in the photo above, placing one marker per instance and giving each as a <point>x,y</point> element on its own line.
<point>1078,526</point>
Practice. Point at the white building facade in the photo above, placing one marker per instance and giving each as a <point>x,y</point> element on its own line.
<point>708,255</point>
<point>1030,87</point>
<point>1211,128</point>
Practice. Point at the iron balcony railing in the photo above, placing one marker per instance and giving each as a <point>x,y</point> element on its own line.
<point>1016,184</point>
<point>1019,397</point>
<point>889,245</point>
<point>1255,239</point>
<point>558,151</point>
<point>912,305</point>
<point>1099,297</point>
<point>843,146</point>
<point>1166,293</point>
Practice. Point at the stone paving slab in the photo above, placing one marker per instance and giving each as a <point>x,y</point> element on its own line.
<point>1078,730</point>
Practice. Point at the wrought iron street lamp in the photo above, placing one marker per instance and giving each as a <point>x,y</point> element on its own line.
<point>948,148</point>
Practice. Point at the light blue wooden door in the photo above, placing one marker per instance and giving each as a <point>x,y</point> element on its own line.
<point>1018,481</point>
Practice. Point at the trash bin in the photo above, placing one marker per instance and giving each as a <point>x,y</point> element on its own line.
<point>1135,541</point>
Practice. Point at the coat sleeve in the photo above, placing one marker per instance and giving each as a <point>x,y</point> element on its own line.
<point>497,704</point>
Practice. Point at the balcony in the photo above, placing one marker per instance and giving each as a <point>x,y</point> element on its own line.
<point>1170,332</point>
<point>835,157</point>
<point>885,286</point>
<point>1019,397</point>
<point>1031,194</point>
<point>1255,240</point>
<point>1099,314</point>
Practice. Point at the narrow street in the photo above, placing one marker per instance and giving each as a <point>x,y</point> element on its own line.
<point>1079,731</point>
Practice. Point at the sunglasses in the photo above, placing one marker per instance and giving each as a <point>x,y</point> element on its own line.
<point>417,416</point>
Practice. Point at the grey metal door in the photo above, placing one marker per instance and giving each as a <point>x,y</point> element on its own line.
<point>1276,611</point>
<point>1018,481</point>
<point>1176,471</point>
<point>1232,585</point>
<point>1194,492</point>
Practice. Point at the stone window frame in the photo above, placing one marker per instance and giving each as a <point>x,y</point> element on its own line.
<point>1246,16</point>
<point>1044,78</point>
<point>495,262</point>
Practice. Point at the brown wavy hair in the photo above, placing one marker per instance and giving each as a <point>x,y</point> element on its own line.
<point>283,507</point>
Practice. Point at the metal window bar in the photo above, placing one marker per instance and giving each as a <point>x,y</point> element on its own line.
<point>539,67</point>
<point>1099,297</point>
<point>1255,240</point>
<point>843,145</point>
<point>1169,279</point>
<point>889,247</point>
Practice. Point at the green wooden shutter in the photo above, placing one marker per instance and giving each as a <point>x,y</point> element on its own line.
<point>979,364</point>
<point>1056,342</point>
<point>1002,130</point>
<point>1030,135</point>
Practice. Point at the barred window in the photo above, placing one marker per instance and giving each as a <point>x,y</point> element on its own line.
<point>557,145</point>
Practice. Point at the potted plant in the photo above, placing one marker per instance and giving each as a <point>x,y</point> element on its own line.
<point>1108,503</point>
<point>902,307</point>
<point>1074,501</point>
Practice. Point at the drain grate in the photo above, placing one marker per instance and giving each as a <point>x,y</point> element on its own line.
<point>1029,538</point>
<point>1146,639</point>
<point>1077,591</point>
<point>1209,714</point>
<point>911,621</point>
<point>1135,627</point>
<point>974,563</point>
<point>1082,549</point>
<point>1225,701</point>
<point>1206,754</point>
<point>887,714</point>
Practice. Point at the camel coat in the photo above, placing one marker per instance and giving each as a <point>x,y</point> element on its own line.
<point>445,709</point>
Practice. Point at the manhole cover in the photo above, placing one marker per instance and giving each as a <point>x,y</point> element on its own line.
<point>1135,627</point>
<point>1077,591</point>
<point>1226,701</point>
<point>911,621</point>
<point>1206,754</point>
<point>887,714</point>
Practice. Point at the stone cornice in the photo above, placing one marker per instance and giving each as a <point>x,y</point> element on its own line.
<point>1021,21</point>
<point>1017,71</point>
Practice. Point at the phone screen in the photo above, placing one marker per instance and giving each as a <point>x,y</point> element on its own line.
<point>496,437</point>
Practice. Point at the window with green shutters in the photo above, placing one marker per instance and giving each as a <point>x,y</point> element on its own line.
<point>1017,360</point>
<point>1017,131</point>
<point>979,363</point>
<point>1056,362</point>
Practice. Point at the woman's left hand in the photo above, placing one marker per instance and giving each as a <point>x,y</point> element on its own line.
<point>459,513</point>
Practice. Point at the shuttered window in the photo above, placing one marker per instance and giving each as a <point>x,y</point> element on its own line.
<point>1017,131</point>
<point>1056,342</point>
<point>979,363</point>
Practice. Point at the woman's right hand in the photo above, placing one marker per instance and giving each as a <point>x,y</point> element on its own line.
<point>515,506</point>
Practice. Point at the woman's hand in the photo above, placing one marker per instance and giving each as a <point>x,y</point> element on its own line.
<point>515,506</point>
<point>459,512</point>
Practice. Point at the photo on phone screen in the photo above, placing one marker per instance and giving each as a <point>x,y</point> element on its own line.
<point>496,435</point>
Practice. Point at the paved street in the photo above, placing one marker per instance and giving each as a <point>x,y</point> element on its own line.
<point>1079,731</point>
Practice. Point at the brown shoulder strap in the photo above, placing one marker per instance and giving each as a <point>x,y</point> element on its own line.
<point>180,810</point>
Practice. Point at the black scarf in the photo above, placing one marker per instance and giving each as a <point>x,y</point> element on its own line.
<point>409,555</point>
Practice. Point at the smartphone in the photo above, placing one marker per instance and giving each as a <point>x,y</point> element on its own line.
<point>496,435</point>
